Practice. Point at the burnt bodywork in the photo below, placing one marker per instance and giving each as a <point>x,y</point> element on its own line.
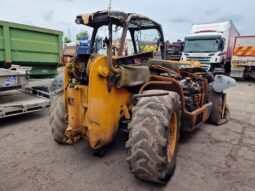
<point>149,97</point>
<point>129,21</point>
<point>192,89</point>
<point>141,72</point>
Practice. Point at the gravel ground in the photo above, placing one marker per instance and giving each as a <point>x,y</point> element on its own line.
<point>213,158</point>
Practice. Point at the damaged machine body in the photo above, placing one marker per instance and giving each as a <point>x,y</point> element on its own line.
<point>90,79</point>
<point>103,91</point>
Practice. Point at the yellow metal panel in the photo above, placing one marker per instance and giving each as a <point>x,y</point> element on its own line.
<point>105,105</point>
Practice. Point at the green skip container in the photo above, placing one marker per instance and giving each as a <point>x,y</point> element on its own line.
<point>37,48</point>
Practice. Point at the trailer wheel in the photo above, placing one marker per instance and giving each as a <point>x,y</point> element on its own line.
<point>57,118</point>
<point>153,137</point>
<point>220,113</point>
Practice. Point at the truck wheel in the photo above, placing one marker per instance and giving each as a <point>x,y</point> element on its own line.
<point>57,118</point>
<point>220,113</point>
<point>153,137</point>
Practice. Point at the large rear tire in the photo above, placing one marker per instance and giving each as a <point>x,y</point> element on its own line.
<point>153,137</point>
<point>57,118</point>
<point>220,113</point>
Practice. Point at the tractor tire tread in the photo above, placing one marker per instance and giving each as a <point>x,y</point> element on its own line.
<point>57,118</point>
<point>147,141</point>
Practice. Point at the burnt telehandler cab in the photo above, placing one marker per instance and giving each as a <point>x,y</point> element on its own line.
<point>118,83</point>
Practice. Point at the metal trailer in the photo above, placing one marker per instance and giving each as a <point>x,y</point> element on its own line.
<point>243,60</point>
<point>38,49</point>
<point>19,95</point>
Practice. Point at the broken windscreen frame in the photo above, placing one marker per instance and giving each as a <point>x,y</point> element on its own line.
<point>130,22</point>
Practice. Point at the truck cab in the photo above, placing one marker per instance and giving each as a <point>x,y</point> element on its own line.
<point>212,45</point>
<point>207,48</point>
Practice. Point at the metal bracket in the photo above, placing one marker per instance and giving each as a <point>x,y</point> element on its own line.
<point>137,96</point>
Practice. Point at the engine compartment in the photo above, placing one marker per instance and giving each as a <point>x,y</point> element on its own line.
<point>193,81</point>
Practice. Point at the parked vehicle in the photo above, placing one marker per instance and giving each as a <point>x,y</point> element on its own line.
<point>174,50</point>
<point>29,56</point>
<point>73,49</point>
<point>69,52</point>
<point>150,99</point>
<point>37,49</point>
<point>211,44</point>
<point>243,60</point>
<point>83,46</point>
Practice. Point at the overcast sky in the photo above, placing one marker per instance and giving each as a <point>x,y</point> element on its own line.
<point>176,16</point>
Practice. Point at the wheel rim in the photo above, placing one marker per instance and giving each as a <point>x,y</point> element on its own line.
<point>172,138</point>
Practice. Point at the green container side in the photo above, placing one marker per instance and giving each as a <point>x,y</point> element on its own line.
<point>2,57</point>
<point>29,46</point>
<point>34,58</point>
<point>33,41</point>
<point>1,39</point>
<point>38,72</point>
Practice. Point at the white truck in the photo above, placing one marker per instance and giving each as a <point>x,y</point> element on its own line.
<point>243,60</point>
<point>211,44</point>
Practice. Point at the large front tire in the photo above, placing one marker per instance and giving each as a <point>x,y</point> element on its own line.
<point>153,137</point>
<point>57,118</point>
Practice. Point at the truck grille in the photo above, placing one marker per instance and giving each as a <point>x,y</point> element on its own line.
<point>205,61</point>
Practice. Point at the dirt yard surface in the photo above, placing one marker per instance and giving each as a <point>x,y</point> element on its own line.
<point>215,158</point>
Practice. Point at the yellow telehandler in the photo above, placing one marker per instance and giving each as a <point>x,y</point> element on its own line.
<point>122,88</point>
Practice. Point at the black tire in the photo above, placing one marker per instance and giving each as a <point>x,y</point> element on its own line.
<point>149,135</point>
<point>227,68</point>
<point>57,118</point>
<point>209,76</point>
<point>57,83</point>
<point>218,108</point>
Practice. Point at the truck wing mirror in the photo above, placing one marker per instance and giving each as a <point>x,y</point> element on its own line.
<point>221,45</point>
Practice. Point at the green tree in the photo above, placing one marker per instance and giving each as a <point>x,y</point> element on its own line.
<point>82,34</point>
<point>67,40</point>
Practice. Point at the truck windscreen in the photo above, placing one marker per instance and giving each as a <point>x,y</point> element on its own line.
<point>201,45</point>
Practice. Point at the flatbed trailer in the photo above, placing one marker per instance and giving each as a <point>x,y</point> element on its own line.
<point>17,102</point>
<point>18,95</point>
